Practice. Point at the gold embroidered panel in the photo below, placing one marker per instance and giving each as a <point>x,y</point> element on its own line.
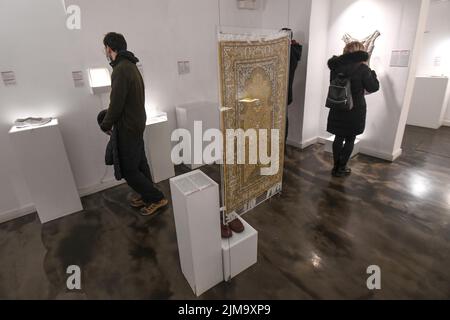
<point>254,86</point>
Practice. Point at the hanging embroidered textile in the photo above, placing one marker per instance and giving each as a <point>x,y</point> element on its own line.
<point>253,85</point>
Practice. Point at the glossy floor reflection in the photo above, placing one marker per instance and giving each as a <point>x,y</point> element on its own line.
<point>316,240</point>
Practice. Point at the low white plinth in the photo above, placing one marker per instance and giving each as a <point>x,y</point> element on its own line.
<point>329,146</point>
<point>158,148</point>
<point>429,102</point>
<point>209,115</point>
<point>239,252</point>
<point>195,199</point>
<point>41,154</point>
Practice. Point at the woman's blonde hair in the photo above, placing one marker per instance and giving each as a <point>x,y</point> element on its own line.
<point>353,47</point>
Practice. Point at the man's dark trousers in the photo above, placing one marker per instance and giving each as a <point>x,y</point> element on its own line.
<point>135,169</point>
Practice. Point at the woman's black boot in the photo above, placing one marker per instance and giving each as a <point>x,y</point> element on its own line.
<point>344,170</point>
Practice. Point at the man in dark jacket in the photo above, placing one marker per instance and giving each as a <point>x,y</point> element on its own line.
<point>346,125</point>
<point>126,113</point>
<point>296,55</point>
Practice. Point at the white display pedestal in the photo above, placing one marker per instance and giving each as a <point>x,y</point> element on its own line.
<point>206,112</point>
<point>158,148</point>
<point>43,160</point>
<point>195,199</point>
<point>429,102</point>
<point>329,146</point>
<point>239,252</point>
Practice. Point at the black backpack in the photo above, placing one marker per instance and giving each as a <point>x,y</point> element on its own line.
<point>340,93</point>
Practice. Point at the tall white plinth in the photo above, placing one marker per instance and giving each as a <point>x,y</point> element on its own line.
<point>429,102</point>
<point>159,147</point>
<point>195,199</point>
<point>208,114</point>
<point>42,157</point>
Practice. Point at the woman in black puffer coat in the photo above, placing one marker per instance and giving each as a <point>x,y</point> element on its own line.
<point>346,125</point>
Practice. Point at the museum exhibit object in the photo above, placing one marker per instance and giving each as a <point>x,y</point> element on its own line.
<point>368,42</point>
<point>253,91</point>
<point>31,122</point>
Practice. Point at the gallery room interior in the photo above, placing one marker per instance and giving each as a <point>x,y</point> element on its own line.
<point>298,223</point>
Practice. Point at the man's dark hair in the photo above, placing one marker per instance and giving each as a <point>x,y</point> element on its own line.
<point>291,33</point>
<point>115,41</point>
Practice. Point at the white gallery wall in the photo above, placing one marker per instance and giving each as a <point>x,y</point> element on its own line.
<point>397,20</point>
<point>435,55</point>
<point>42,52</point>
<point>316,72</point>
<point>294,14</point>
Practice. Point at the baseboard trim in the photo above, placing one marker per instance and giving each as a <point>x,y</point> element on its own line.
<point>308,143</point>
<point>322,140</point>
<point>397,154</point>
<point>446,123</point>
<point>293,144</point>
<point>370,152</point>
<point>83,192</point>
<point>381,155</point>
<point>17,213</point>
<point>87,191</point>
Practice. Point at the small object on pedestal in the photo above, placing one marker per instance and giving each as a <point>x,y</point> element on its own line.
<point>225,231</point>
<point>237,226</point>
<point>31,122</point>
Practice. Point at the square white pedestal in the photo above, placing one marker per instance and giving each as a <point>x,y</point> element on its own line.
<point>429,102</point>
<point>159,147</point>
<point>41,154</point>
<point>239,252</point>
<point>195,200</point>
<point>206,112</point>
<point>329,146</point>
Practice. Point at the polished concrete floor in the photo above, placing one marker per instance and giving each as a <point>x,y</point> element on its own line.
<point>316,240</point>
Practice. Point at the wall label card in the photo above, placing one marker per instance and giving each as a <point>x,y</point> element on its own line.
<point>247,4</point>
<point>400,58</point>
<point>78,79</point>
<point>437,61</point>
<point>184,67</point>
<point>9,78</point>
